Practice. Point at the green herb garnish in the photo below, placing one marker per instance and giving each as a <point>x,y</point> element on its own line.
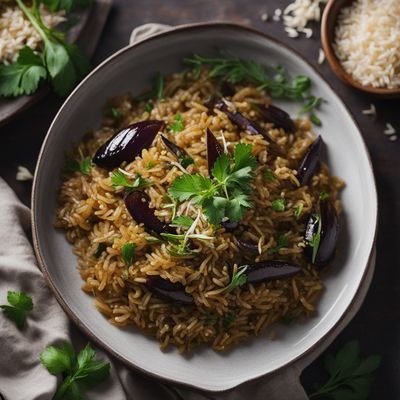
<point>234,70</point>
<point>100,248</point>
<point>183,220</point>
<point>64,62</point>
<point>350,377</point>
<point>324,196</point>
<point>82,164</point>
<point>315,120</point>
<point>149,107</point>
<point>115,113</point>
<point>279,205</point>
<point>78,372</point>
<point>185,161</point>
<point>211,318</point>
<point>118,179</point>
<point>19,304</point>
<point>153,240</point>
<point>282,243</point>
<point>150,165</point>
<point>297,211</point>
<point>226,195</point>
<point>127,252</point>
<point>23,76</point>
<point>269,175</point>
<point>229,319</point>
<point>316,238</point>
<point>239,278</point>
<point>178,125</point>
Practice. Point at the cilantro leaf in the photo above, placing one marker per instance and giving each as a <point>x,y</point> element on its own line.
<point>315,239</point>
<point>282,243</point>
<point>114,112</point>
<point>118,178</point>
<point>237,206</point>
<point>178,125</point>
<point>221,168</point>
<point>229,319</point>
<point>324,196</point>
<point>239,278</point>
<point>269,175</point>
<point>243,157</point>
<point>350,376</point>
<point>149,107</point>
<point>183,220</point>
<point>279,205</point>
<point>188,186</point>
<point>82,164</point>
<point>297,211</point>
<point>79,372</point>
<point>17,309</point>
<point>214,209</point>
<point>23,76</point>
<point>127,252</point>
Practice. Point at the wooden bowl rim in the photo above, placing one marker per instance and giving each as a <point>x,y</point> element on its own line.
<point>328,19</point>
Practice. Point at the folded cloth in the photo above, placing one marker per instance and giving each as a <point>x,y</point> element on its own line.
<point>22,376</point>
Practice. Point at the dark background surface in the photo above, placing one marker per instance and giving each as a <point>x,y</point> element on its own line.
<point>377,325</point>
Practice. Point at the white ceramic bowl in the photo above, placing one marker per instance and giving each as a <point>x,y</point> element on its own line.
<point>131,69</point>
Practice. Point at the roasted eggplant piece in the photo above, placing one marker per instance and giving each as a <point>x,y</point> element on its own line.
<point>126,144</point>
<point>277,116</point>
<point>310,163</point>
<point>230,226</point>
<point>173,291</point>
<point>182,156</point>
<point>214,150</point>
<point>246,124</point>
<point>269,270</point>
<point>137,203</point>
<point>322,232</point>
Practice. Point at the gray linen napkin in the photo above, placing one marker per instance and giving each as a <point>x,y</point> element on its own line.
<point>22,377</point>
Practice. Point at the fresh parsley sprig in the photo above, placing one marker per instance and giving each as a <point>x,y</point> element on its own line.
<point>79,372</point>
<point>82,164</point>
<point>178,124</point>
<point>226,194</point>
<point>119,179</point>
<point>127,253</point>
<point>19,305</point>
<point>282,243</point>
<point>61,63</point>
<point>316,238</point>
<point>350,376</point>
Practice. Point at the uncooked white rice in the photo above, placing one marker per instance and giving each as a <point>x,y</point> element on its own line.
<point>367,42</point>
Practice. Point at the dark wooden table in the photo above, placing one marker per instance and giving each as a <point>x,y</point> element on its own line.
<point>377,325</point>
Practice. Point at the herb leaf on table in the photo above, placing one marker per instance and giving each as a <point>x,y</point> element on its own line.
<point>17,309</point>
<point>79,372</point>
<point>350,376</point>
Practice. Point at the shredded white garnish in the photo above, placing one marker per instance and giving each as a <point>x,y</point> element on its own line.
<point>321,57</point>
<point>370,111</point>
<point>224,143</point>
<point>389,129</point>
<point>23,174</point>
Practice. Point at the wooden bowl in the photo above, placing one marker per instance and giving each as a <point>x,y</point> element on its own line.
<point>329,19</point>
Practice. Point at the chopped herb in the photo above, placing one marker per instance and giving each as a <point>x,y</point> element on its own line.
<point>282,243</point>
<point>239,278</point>
<point>183,220</point>
<point>115,113</point>
<point>288,318</point>
<point>211,318</point>
<point>79,372</point>
<point>178,125</point>
<point>186,161</point>
<point>118,178</point>
<point>311,104</point>
<point>82,164</point>
<point>279,205</point>
<point>350,376</point>
<point>19,304</point>
<point>153,240</point>
<point>234,70</point>
<point>149,107</point>
<point>100,248</point>
<point>127,252</point>
<point>315,120</point>
<point>150,165</point>
<point>269,175</point>
<point>324,196</point>
<point>316,238</point>
<point>297,211</point>
<point>229,319</point>
<point>227,193</point>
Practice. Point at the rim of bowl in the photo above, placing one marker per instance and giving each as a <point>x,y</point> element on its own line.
<point>35,235</point>
<point>328,19</point>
